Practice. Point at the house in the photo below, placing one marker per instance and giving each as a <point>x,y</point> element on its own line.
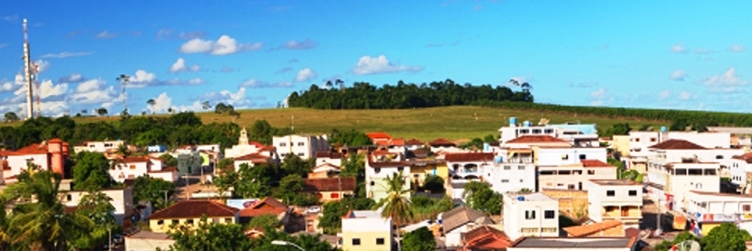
<point>532,214</point>
<point>134,167</point>
<point>584,135</point>
<point>575,244</point>
<point>707,210</point>
<point>422,168</point>
<point>47,155</point>
<point>461,220</point>
<point>379,166</point>
<point>190,212</point>
<point>324,170</point>
<point>574,176</point>
<point>615,200</point>
<point>245,147</point>
<point>304,146</point>
<point>485,238</point>
<point>366,230</point>
<point>251,160</point>
<point>122,199</point>
<point>146,240</point>
<point>329,157</point>
<point>99,146</point>
<point>267,205</point>
<point>443,145</point>
<point>609,228</point>
<point>739,166</point>
<point>414,144</point>
<point>503,174</point>
<point>379,138</point>
<point>332,188</point>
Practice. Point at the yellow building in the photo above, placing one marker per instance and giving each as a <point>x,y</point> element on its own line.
<point>620,144</point>
<point>190,212</point>
<point>366,231</point>
<point>419,169</point>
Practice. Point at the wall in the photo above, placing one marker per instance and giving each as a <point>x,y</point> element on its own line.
<point>163,225</point>
<point>556,156</point>
<point>571,202</point>
<point>516,223</point>
<point>136,244</point>
<point>511,177</point>
<point>367,230</point>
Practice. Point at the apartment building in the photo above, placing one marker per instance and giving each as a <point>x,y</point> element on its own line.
<point>304,146</point>
<point>574,176</point>
<point>614,199</point>
<point>379,166</point>
<point>584,135</point>
<point>366,231</point>
<point>707,210</point>
<point>531,214</point>
<point>99,146</point>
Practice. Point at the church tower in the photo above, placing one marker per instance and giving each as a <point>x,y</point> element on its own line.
<point>243,140</point>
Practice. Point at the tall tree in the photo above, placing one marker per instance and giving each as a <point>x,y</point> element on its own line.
<point>151,102</point>
<point>101,111</point>
<point>210,236</point>
<point>725,237</point>
<point>91,171</point>
<point>43,224</point>
<point>97,206</point>
<point>480,196</point>
<point>396,205</point>
<point>157,191</point>
<point>420,239</point>
<point>11,117</point>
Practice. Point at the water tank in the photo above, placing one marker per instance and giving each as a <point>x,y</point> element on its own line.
<point>486,147</point>
<point>526,123</point>
<point>520,198</point>
<point>498,159</point>
<point>512,121</point>
<point>663,128</point>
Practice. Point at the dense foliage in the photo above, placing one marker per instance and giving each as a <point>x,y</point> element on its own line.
<point>363,95</point>
<point>420,239</point>
<point>726,237</point>
<point>480,196</point>
<point>331,220</point>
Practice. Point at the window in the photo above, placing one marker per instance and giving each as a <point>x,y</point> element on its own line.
<point>283,144</point>
<point>68,197</point>
<point>632,193</point>
<point>334,196</point>
<point>189,222</point>
<point>301,154</point>
<point>377,169</point>
<point>709,171</point>
<point>610,193</point>
<point>565,172</point>
<point>524,131</point>
<point>546,173</point>
<point>379,241</point>
<point>564,156</point>
<point>637,140</point>
<point>521,181</point>
<point>175,222</point>
<point>529,214</point>
<point>107,144</point>
<point>215,220</point>
<point>356,241</point>
<point>653,139</point>
<point>591,172</point>
<point>301,143</point>
<point>719,157</point>
<point>228,220</point>
<point>132,167</point>
<point>373,183</point>
<point>536,131</point>
<point>549,131</point>
<point>507,168</point>
<point>746,208</point>
<point>549,230</point>
<point>520,167</point>
<point>504,181</point>
<point>549,214</point>
<point>399,169</point>
<point>570,186</point>
<point>680,171</point>
<point>160,222</point>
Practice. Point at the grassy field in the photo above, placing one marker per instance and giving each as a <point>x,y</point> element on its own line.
<point>453,123</point>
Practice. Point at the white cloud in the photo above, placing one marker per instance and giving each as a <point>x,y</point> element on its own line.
<point>95,91</point>
<point>664,94</point>
<point>105,34</point>
<point>65,54</point>
<point>179,66</point>
<point>380,64</point>
<point>48,89</point>
<point>678,75</point>
<point>679,48</point>
<point>599,97</point>
<point>7,86</point>
<point>255,83</point>
<point>42,65</point>
<point>726,81</point>
<point>685,95</point>
<point>737,48</point>
<point>223,46</point>
<point>236,99</point>
<point>295,45</point>
<point>305,75</point>
<point>161,103</point>
<point>73,78</point>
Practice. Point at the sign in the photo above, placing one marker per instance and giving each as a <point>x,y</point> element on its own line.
<point>719,217</point>
<point>241,203</point>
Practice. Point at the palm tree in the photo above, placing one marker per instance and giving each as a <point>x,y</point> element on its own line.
<point>124,79</point>
<point>42,224</point>
<point>151,104</point>
<point>206,105</point>
<point>396,205</point>
<point>526,87</point>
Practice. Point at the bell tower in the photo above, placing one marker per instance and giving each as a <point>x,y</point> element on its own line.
<point>243,140</point>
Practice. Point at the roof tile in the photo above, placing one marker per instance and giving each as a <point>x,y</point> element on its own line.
<point>460,157</point>
<point>332,184</point>
<point>268,205</point>
<point>441,142</point>
<point>584,230</point>
<point>677,144</point>
<point>194,209</point>
<point>537,139</point>
<point>485,238</point>
<point>594,163</point>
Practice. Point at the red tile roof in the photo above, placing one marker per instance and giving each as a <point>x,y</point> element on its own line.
<point>485,238</point>
<point>268,205</point>
<point>30,149</point>
<point>253,157</point>
<point>378,135</point>
<point>677,144</point>
<point>329,154</point>
<point>194,209</point>
<point>442,142</point>
<point>135,159</point>
<point>537,139</point>
<point>594,163</point>
<point>414,142</point>
<point>747,157</point>
<point>462,157</point>
<point>397,142</point>
<point>585,230</point>
<point>333,184</point>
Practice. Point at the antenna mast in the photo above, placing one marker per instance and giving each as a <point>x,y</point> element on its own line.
<point>28,74</point>
<point>36,82</point>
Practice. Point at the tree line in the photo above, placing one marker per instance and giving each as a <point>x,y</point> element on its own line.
<point>363,95</point>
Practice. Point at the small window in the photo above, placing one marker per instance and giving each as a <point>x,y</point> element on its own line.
<point>334,195</point>
<point>536,131</point>
<point>377,169</point>
<point>520,167</point>
<point>228,220</point>
<point>189,222</point>
<point>521,181</point>
<point>565,172</point>
<point>610,193</point>
<point>719,157</point>
<point>591,172</point>
<point>301,154</point>
<point>746,208</point>
<point>564,156</point>
<point>373,183</point>
<point>546,173</point>
<point>653,139</point>
<point>507,168</point>
<point>549,131</point>
<point>160,222</point>
<point>175,222</point>
<point>379,241</point>
<point>637,140</point>
<point>529,215</point>
<point>283,144</point>
<point>549,214</point>
<point>504,181</point>
<point>632,193</point>
<point>215,220</point>
<point>356,241</point>
<point>582,156</point>
<point>301,144</point>
<point>68,197</point>
<point>400,169</point>
<point>132,167</point>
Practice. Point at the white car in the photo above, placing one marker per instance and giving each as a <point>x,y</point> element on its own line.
<point>313,209</point>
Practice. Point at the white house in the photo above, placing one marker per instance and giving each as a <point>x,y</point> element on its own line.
<point>669,182</point>
<point>99,146</point>
<point>329,157</point>
<point>379,166</point>
<point>575,244</point>
<point>533,214</point>
<point>707,210</point>
<point>556,156</point>
<point>574,176</point>
<point>739,166</point>
<point>366,231</point>
<point>585,135</point>
<point>304,146</point>
<point>47,155</point>
<point>615,200</point>
<point>134,167</point>
<point>122,199</point>
<point>461,220</point>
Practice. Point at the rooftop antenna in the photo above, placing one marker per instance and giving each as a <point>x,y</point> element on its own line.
<point>28,74</point>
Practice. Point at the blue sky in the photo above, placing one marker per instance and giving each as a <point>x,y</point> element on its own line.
<point>253,54</point>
